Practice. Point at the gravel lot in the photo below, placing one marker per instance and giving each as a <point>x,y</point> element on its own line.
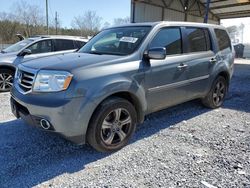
<point>184,146</point>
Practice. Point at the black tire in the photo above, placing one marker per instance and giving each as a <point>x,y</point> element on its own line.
<point>217,93</point>
<point>103,126</point>
<point>6,79</point>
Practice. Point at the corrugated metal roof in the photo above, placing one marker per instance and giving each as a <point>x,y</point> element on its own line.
<point>229,8</point>
<point>218,9</point>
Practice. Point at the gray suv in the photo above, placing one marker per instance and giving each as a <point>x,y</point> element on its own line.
<point>99,94</point>
<point>30,48</point>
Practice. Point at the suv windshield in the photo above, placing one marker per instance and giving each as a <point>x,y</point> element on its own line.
<point>116,41</point>
<point>18,46</point>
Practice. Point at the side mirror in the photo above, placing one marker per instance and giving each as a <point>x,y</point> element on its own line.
<point>25,52</point>
<point>156,53</point>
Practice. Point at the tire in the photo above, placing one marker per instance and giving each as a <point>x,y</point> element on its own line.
<point>6,79</point>
<point>108,131</point>
<point>217,93</point>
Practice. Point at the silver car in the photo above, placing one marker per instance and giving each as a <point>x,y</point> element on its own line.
<point>99,94</point>
<point>30,48</point>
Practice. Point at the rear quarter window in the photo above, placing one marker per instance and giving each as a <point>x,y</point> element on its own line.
<point>223,39</point>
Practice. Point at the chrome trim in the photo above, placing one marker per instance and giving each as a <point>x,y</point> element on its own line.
<point>177,84</point>
<point>18,83</point>
<point>28,76</point>
<point>28,82</point>
<point>28,87</point>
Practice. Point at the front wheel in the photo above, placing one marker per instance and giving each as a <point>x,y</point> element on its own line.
<point>6,80</point>
<point>217,94</point>
<point>112,125</point>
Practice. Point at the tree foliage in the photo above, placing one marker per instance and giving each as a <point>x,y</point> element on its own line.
<point>89,23</point>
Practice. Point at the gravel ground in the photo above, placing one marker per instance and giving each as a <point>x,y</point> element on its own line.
<point>184,146</point>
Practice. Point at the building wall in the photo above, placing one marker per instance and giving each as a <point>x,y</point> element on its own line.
<point>150,11</point>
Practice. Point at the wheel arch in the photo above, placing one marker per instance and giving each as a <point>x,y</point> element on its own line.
<point>9,67</point>
<point>225,75</point>
<point>132,98</point>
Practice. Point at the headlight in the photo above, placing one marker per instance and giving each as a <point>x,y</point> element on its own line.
<point>52,81</point>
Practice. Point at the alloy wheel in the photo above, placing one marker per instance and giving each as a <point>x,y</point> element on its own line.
<point>6,81</point>
<point>116,126</point>
<point>219,93</point>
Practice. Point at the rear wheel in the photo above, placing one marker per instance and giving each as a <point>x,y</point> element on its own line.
<point>6,79</point>
<point>112,125</point>
<point>217,94</point>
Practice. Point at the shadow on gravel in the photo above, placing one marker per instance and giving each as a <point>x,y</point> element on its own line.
<point>29,156</point>
<point>238,97</point>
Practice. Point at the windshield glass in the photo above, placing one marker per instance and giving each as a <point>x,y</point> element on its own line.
<point>116,41</point>
<point>18,46</point>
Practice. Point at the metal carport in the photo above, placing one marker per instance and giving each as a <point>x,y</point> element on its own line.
<point>211,11</point>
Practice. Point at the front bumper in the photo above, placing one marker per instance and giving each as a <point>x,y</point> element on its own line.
<point>68,117</point>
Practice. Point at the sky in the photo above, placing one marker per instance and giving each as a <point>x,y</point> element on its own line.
<point>237,22</point>
<point>68,9</point>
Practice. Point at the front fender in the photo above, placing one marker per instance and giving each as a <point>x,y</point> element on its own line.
<point>94,97</point>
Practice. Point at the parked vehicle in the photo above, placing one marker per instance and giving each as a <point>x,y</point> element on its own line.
<point>30,48</point>
<point>99,94</point>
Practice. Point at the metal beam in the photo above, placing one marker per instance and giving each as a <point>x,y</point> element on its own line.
<point>229,6</point>
<point>217,1</point>
<point>164,3</point>
<point>235,14</point>
<point>202,5</point>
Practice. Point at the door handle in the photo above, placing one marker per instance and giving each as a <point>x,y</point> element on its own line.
<point>213,60</point>
<point>182,66</point>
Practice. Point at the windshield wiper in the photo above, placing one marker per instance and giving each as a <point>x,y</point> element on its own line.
<point>95,52</point>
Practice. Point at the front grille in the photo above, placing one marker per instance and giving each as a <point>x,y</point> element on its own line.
<point>25,80</point>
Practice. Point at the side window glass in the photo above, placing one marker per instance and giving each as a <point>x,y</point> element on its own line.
<point>62,44</point>
<point>208,39</point>
<point>44,46</point>
<point>223,39</point>
<point>197,40</point>
<point>79,44</point>
<point>170,38</point>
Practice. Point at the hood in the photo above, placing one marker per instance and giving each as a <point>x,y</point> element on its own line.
<point>70,61</point>
<point>7,57</point>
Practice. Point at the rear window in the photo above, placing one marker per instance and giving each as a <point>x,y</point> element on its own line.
<point>62,44</point>
<point>198,40</point>
<point>223,39</point>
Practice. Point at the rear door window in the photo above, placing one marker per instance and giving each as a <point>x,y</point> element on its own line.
<point>170,38</point>
<point>198,40</point>
<point>64,44</point>
<point>223,39</point>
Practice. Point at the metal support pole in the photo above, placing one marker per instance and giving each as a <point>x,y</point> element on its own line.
<point>56,20</point>
<point>207,11</point>
<point>47,17</point>
<point>133,11</point>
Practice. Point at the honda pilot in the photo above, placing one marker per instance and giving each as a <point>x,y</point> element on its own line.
<point>99,94</point>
